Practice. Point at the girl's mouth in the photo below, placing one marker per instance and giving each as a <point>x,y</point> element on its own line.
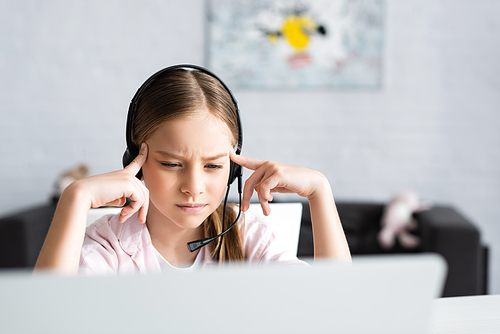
<point>192,207</point>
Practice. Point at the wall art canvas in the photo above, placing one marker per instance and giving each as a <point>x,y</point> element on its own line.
<point>306,44</point>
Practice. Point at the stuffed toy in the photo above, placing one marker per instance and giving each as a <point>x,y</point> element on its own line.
<point>397,220</point>
<point>67,178</point>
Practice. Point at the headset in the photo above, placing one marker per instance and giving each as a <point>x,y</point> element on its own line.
<point>235,170</point>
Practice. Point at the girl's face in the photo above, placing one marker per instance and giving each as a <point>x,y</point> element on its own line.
<point>187,168</point>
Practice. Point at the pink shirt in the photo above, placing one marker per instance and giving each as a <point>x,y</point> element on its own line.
<point>111,247</point>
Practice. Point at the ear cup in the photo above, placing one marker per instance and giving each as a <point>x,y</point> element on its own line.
<point>234,172</point>
<point>127,159</point>
<point>132,151</point>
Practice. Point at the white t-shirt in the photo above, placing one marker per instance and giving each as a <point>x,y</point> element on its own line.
<point>165,266</point>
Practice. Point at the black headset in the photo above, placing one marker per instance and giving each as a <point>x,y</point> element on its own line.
<point>235,171</point>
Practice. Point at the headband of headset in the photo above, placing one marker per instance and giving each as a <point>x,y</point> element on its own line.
<point>132,150</point>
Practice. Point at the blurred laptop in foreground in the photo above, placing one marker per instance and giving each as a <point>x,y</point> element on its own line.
<point>374,295</point>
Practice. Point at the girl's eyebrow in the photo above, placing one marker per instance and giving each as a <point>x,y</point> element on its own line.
<point>178,157</point>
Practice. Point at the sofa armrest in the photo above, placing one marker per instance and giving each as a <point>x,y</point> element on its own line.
<point>22,236</point>
<point>445,231</point>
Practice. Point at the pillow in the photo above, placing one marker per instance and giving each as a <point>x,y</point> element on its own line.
<point>285,220</point>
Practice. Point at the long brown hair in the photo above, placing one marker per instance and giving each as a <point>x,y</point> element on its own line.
<point>177,94</point>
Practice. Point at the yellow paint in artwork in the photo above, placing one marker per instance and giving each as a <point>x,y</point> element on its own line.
<point>296,30</point>
<point>273,38</point>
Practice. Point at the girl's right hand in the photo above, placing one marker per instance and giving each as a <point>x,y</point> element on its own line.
<point>112,189</point>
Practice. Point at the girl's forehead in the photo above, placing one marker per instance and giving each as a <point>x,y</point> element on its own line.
<point>200,132</point>
<point>199,118</point>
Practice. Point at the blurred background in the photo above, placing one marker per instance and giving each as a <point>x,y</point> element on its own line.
<point>68,70</point>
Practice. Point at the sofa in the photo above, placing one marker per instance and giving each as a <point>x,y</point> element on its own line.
<point>442,230</point>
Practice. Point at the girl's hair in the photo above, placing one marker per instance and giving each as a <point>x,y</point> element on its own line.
<point>177,94</point>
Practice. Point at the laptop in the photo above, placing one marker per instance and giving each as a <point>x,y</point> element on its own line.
<point>376,294</point>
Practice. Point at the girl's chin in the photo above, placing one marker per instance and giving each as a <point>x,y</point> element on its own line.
<point>186,217</point>
<point>190,221</point>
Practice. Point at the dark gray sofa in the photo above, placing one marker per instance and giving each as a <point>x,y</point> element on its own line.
<point>442,229</point>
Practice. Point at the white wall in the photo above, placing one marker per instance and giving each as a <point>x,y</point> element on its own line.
<point>68,70</point>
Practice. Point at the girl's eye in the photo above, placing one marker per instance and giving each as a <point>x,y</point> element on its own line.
<point>214,166</point>
<point>170,165</point>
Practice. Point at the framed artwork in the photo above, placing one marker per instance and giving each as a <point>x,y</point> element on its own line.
<point>306,44</point>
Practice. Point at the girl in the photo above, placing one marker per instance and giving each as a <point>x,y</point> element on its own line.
<point>183,126</point>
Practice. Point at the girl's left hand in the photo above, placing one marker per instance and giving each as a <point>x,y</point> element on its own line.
<point>273,177</point>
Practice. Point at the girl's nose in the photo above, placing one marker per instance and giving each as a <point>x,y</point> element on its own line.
<point>193,184</point>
